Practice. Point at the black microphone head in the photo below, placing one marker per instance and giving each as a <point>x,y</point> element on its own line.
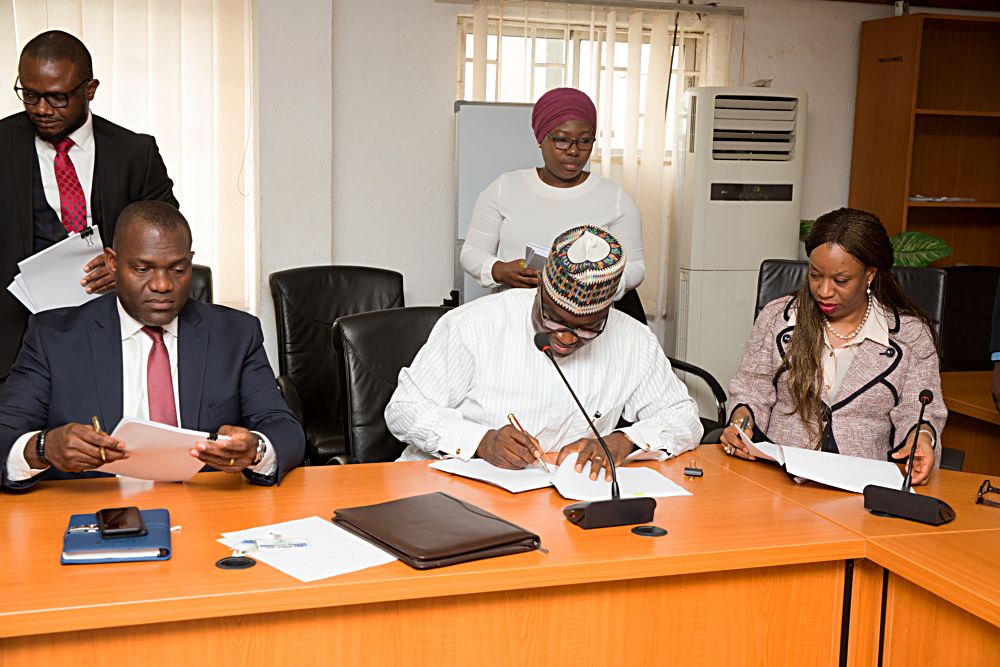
<point>542,341</point>
<point>926,396</point>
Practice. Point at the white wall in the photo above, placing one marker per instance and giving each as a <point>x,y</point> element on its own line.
<point>293,100</point>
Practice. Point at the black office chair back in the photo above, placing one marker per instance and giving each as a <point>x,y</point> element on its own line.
<point>307,301</point>
<point>375,347</point>
<point>968,318</point>
<point>924,286</point>
<point>201,283</point>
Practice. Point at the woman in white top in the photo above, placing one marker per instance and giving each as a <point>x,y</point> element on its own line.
<point>536,205</point>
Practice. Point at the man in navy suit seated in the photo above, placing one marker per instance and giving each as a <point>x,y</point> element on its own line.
<point>145,352</point>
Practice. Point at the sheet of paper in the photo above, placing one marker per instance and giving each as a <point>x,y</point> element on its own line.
<point>535,256</point>
<point>515,481</point>
<point>764,450</point>
<point>850,473</point>
<point>157,452</point>
<point>20,292</point>
<point>331,550</point>
<point>632,482</point>
<point>52,276</point>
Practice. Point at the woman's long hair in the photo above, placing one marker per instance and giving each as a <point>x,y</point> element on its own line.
<point>862,235</point>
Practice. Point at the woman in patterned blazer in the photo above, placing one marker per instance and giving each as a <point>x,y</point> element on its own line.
<point>838,365</point>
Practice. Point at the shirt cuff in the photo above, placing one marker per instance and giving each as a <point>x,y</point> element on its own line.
<point>462,440</point>
<point>486,275</point>
<point>269,464</point>
<point>18,469</point>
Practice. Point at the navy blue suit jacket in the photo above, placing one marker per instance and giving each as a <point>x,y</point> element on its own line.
<point>69,368</point>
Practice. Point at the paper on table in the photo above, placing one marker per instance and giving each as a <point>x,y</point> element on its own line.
<point>850,473</point>
<point>632,482</point>
<point>515,481</point>
<point>20,292</point>
<point>52,276</point>
<point>331,550</point>
<point>157,452</point>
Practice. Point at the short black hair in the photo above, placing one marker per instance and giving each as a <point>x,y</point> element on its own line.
<point>157,213</point>
<point>59,45</point>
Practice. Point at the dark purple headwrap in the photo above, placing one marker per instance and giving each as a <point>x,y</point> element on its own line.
<point>560,105</point>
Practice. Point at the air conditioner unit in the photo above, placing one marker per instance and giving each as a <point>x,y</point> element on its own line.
<point>737,191</point>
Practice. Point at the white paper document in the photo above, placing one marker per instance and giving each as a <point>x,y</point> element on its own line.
<point>850,473</point>
<point>51,278</point>
<point>157,452</point>
<point>330,551</point>
<point>515,481</point>
<point>632,482</point>
<point>535,256</point>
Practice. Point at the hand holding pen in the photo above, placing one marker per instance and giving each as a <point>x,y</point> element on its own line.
<point>516,424</point>
<point>509,447</point>
<point>731,441</point>
<point>74,448</point>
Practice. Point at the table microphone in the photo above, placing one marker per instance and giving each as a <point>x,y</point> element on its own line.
<point>903,504</point>
<point>600,513</point>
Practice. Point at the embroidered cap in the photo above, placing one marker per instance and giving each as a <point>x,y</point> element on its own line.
<point>583,270</point>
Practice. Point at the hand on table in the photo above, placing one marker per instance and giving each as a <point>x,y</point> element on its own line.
<point>923,463</point>
<point>75,448</point>
<point>589,449</point>
<point>232,455</point>
<point>99,278</point>
<point>509,448</point>
<point>515,274</point>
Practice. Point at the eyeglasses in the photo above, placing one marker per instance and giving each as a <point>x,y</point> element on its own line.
<point>55,100</point>
<point>983,490</point>
<point>563,144</point>
<point>554,326</point>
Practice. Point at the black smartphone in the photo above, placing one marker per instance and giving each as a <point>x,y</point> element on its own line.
<point>121,522</point>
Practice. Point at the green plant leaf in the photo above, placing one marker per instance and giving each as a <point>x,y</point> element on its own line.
<point>805,226</point>
<point>918,249</point>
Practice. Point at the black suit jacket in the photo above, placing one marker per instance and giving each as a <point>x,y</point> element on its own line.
<point>127,167</point>
<point>70,368</point>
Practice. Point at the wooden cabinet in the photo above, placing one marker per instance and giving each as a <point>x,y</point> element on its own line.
<point>927,122</point>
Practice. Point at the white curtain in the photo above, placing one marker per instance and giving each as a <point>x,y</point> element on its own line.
<point>629,88</point>
<point>176,69</point>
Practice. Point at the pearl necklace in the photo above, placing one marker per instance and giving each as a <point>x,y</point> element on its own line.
<point>854,333</point>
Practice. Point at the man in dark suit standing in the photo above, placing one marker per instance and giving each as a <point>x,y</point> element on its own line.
<point>64,169</point>
<point>145,352</point>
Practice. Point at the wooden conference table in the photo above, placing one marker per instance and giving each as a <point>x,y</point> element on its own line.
<point>973,422</point>
<point>748,573</point>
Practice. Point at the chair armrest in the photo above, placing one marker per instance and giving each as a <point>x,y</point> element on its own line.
<point>717,391</point>
<point>342,460</point>
<point>291,395</point>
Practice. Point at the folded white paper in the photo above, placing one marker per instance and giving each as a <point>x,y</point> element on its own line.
<point>157,452</point>
<point>515,481</point>
<point>632,482</point>
<point>850,473</point>
<point>331,551</point>
<point>535,256</point>
<point>51,278</point>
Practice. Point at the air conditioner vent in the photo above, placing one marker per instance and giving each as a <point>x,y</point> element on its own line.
<point>754,128</point>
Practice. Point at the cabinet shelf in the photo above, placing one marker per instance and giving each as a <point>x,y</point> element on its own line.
<point>958,112</point>
<point>953,204</point>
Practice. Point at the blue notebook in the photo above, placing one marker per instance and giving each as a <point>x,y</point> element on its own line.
<point>87,546</point>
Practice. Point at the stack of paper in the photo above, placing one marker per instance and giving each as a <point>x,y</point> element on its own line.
<point>850,473</point>
<point>157,452</point>
<point>569,483</point>
<point>307,549</point>
<point>535,256</point>
<point>51,278</point>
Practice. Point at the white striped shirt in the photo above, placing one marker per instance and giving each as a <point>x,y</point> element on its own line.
<point>480,363</point>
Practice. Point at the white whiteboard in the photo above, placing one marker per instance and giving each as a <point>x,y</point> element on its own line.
<point>490,139</point>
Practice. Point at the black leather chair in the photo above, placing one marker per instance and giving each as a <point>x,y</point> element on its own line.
<point>924,286</point>
<point>374,347</point>
<point>201,283</point>
<point>630,304</point>
<point>968,318</point>
<point>307,301</point>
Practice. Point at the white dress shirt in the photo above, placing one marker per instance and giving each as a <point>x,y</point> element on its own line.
<point>480,364</point>
<point>82,154</point>
<point>136,346</point>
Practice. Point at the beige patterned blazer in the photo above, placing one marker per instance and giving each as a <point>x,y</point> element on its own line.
<point>875,406</point>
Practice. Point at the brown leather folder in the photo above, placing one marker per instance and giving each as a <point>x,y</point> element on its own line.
<point>435,529</point>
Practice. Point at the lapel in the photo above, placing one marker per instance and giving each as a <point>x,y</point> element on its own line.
<point>23,158</point>
<point>871,364</point>
<point>106,174</point>
<point>192,353</point>
<point>106,355</point>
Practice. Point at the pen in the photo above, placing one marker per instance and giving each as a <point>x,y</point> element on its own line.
<point>516,424</point>
<point>96,423</point>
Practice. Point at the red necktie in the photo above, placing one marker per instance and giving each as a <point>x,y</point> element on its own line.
<point>71,199</point>
<point>159,385</point>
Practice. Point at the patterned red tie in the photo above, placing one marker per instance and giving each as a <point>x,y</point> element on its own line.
<point>71,199</point>
<point>159,386</point>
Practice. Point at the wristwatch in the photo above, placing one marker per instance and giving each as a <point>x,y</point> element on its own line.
<point>261,450</point>
<point>40,447</point>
